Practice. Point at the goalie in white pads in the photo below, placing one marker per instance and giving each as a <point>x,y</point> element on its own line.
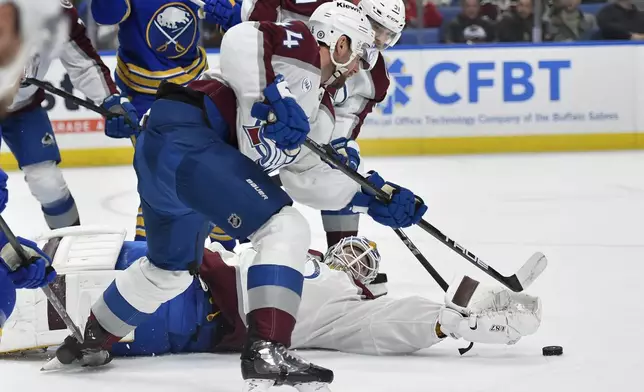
<point>339,310</point>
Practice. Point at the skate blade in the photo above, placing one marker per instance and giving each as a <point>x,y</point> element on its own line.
<point>53,365</point>
<point>312,387</point>
<point>257,385</point>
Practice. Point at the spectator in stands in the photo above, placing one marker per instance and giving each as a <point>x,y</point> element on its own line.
<point>621,20</point>
<point>517,24</point>
<point>490,10</point>
<point>432,17</point>
<point>568,23</point>
<point>468,26</point>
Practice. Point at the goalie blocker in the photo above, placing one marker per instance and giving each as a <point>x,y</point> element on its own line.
<point>338,309</point>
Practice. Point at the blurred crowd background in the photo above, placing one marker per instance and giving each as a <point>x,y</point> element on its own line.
<point>476,21</point>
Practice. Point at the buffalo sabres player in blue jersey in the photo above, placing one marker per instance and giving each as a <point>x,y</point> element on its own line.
<point>158,40</point>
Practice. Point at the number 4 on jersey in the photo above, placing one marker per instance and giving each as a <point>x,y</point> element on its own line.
<point>292,38</point>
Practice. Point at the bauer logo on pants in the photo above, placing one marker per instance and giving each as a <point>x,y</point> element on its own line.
<point>235,221</point>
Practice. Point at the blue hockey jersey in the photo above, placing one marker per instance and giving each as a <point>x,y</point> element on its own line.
<point>158,40</point>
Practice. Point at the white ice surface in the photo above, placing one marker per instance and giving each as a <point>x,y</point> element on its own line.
<point>584,211</point>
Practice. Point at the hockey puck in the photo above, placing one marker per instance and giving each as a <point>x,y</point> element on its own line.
<point>549,351</point>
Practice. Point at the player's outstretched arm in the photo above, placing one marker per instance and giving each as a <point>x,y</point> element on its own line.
<point>110,12</point>
<point>372,327</point>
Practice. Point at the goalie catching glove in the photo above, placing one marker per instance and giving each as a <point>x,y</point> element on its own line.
<point>491,315</point>
<point>286,123</point>
<point>402,210</point>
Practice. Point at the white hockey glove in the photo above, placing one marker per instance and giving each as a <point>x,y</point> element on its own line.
<point>492,315</point>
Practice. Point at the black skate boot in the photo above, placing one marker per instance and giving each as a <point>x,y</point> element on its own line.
<point>94,351</point>
<point>265,364</point>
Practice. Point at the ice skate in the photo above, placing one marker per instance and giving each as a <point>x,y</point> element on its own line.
<point>92,352</point>
<point>266,364</point>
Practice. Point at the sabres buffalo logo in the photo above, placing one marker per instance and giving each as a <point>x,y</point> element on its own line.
<point>172,30</point>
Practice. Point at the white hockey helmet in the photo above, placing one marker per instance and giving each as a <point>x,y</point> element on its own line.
<point>387,20</point>
<point>332,20</point>
<point>356,256</point>
<point>41,23</point>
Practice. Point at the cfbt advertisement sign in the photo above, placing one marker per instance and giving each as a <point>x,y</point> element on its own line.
<point>514,90</point>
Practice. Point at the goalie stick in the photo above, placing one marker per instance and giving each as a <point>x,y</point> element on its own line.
<point>51,297</point>
<point>518,282</point>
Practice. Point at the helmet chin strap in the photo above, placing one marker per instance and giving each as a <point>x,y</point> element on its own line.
<point>340,69</point>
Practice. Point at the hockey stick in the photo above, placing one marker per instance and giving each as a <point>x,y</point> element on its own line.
<point>200,4</point>
<point>517,282</point>
<point>80,102</point>
<point>51,297</point>
<point>421,259</point>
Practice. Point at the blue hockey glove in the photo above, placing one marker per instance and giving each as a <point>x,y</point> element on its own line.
<point>36,274</point>
<point>403,210</point>
<point>4,193</point>
<point>286,123</point>
<point>225,13</point>
<point>347,151</point>
<point>117,127</point>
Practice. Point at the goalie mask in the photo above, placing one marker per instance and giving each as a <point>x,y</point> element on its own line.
<point>335,19</point>
<point>27,27</point>
<point>355,255</point>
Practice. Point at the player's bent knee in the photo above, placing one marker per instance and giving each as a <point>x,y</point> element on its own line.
<point>146,286</point>
<point>46,182</point>
<point>283,239</point>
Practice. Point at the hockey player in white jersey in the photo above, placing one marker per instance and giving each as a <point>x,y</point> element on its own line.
<point>26,128</point>
<point>342,307</point>
<point>205,156</point>
<point>355,98</point>
<point>354,95</point>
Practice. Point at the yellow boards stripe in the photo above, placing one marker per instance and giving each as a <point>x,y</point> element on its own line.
<point>401,146</point>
